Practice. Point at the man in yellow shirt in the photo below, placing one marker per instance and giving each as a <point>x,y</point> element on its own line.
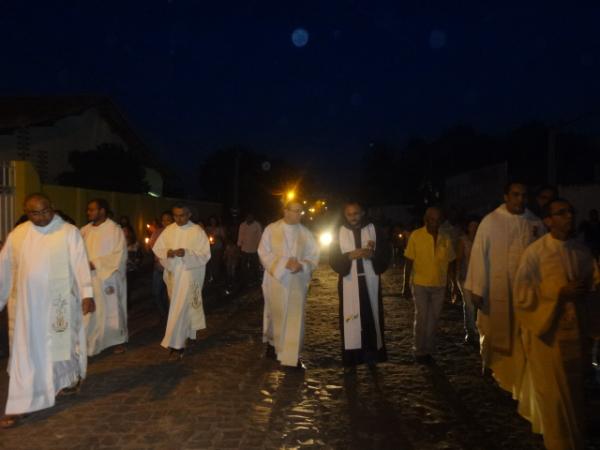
<point>429,257</point>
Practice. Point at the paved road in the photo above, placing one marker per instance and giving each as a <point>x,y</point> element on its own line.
<point>225,395</point>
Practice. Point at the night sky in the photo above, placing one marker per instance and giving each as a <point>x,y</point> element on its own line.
<point>193,76</point>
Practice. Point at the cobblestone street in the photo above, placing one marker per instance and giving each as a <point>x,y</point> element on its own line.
<point>225,395</point>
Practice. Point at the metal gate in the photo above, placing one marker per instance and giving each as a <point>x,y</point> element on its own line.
<point>7,198</point>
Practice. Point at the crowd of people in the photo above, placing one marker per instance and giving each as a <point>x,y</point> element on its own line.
<point>529,288</point>
<point>66,290</point>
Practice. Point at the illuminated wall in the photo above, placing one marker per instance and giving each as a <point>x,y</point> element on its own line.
<point>141,209</point>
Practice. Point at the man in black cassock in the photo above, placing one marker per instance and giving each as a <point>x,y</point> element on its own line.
<point>360,254</point>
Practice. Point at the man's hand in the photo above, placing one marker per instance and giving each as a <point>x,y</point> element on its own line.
<point>368,252</point>
<point>573,291</point>
<point>477,301</point>
<point>92,266</point>
<point>361,253</point>
<point>180,252</point>
<point>170,253</point>
<point>293,265</point>
<point>88,305</point>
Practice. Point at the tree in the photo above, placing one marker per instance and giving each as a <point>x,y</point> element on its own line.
<point>261,180</point>
<point>109,167</point>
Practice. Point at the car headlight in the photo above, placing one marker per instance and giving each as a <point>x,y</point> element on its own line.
<point>325,239</point>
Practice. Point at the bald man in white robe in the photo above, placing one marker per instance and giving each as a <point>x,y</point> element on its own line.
<point>289,253</point>
<point>45,267</point>
<point>183,250</point>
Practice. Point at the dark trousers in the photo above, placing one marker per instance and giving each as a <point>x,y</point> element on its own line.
<point>250,267</point>
<point>159,293</point>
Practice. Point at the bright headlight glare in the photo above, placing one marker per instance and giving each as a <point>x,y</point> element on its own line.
<point>325,238</point>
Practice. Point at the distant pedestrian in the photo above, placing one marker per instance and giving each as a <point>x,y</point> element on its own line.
<point>543,196</point>
<point>249,234</point>
<point>216,237</point>
<point>429,255</point>
<point>159,289</point>
<point>463,255</point>
<point>590,231</point>
<point>124,221</point>
<point>231,258</point>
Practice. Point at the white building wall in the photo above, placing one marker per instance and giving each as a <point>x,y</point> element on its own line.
<point>48,147</point>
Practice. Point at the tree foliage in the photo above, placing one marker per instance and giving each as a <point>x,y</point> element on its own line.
<point>261,180</point>
<point>417,170</point>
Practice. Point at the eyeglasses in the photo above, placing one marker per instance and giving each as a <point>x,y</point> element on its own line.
<point>43,212</point>
<point>563,212</point>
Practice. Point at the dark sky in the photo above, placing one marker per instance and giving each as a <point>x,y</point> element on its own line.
<point>197,75</point>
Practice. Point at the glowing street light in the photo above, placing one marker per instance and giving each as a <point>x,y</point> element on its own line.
<point>290,195</point>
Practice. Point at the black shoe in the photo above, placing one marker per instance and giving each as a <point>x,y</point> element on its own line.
<point>349,370</point>
<point>424,359</point>
<point>470,340</point>
<point>270,353</point>
<point>301,364</point>
<point>176,353</point>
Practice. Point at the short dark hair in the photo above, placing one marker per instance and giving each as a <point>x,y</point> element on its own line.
<point>353,201</point>
<point>547,187</point>
<point>166,213</point>
<point>547,209</point>
<point>102,204</point>
<point>181,205</point>
<point>510,184</point>
<point>38,195</point>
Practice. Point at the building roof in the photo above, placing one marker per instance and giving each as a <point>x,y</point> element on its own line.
<point>27,111</point>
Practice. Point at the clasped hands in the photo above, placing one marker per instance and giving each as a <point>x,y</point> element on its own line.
<point>363,253</point>
<point>293,265</point>
<point>178,252</point>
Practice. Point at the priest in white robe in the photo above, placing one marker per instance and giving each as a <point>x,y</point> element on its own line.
<point>183,250</point>
<point>45,266</point>
<point>107,252</point>
<point>360,254</point>
<point>501,238</point>
<point>556,276</point>
<point>289,253</point>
